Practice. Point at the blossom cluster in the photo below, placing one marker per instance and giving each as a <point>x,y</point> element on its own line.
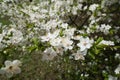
<point>48,22</point>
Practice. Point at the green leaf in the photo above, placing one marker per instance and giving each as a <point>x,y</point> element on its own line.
<point>97,51</point>
<point>111,32</point>
<point>92,55</point>
<point>101,46</point>
<point>35,41</point>
<point>98,40</point>
<point>32,48</point>
<point>30,25</point>
<point>61,33</point>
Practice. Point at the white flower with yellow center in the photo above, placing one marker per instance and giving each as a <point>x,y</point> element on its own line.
<point>85,43</point>
<point>11,68</point>
<point>80,55</point>
<point>67,43</point>
<point>50,36</point>
<point>55,42</point>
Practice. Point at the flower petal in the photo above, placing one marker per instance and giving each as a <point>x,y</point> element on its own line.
<point>8,63</point>
<point>17,63</point>
<point>17,70</point>
<point>9,74</point>
<point>2,71</point>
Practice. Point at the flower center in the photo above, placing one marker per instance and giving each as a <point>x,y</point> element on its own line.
<point>85,43</point>
<point>11,67</point>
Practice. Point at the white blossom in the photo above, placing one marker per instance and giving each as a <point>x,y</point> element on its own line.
<point>11,68</point>
<point>49,54</point>
<point>16,37</point>
<point>117,55</point>
<point>110,77</point>
<point>50,36</point>
<point>1,37</point>
<point>69,32</point>
<point>80,55</point>
<point>59,50</point>
<point>56,42</point>
<point>93,7</point>
<point>105,42</point>
<point>67,43</point>
<point>117,70</point>
<point>64,25</point>
<point>105,28</point>
<point>85,43</point>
